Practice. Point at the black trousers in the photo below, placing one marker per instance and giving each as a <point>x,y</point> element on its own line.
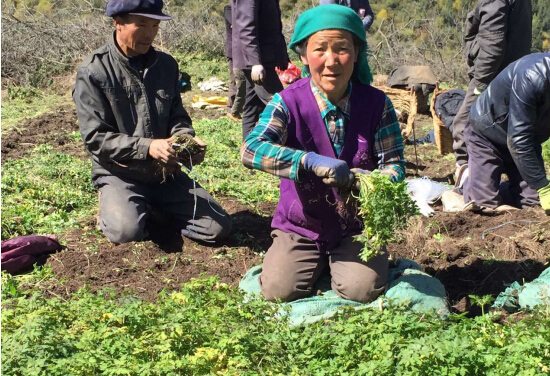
<point>257,96</point>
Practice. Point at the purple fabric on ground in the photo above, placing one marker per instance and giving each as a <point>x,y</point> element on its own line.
<point>19,254</point>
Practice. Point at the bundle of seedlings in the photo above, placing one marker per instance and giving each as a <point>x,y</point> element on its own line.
<point>385,208</point>
<point>187,149</point>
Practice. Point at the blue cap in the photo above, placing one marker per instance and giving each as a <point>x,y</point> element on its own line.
<point>145,8</point>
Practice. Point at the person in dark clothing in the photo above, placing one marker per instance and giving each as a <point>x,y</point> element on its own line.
<point>129,111</point>
<point>361,7</point>
<point>508,123</point>
<point>237,86</point>
<point>498,32</point>
<point>258,48</point>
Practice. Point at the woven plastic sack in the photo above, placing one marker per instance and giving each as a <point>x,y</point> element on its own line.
<point>530,295</point>
<point>408,285</point>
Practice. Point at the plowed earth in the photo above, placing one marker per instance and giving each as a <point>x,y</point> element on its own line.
<point>470,253</point>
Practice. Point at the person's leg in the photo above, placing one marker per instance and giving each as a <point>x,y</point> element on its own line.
<point>354,279</point>
<point>459,124</point>
<point>486,167</point>
<point>240,88</point>
<point>257,97</point>
<point>232,87</point>
<point>521,194</point>
<point>200,216</point>
<point>291,267</point>
<point>122,209</point>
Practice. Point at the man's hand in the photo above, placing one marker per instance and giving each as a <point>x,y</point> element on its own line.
<point>257,74</point>
<point>161,150</point>
<point>334,172</point>
<point>544,196</point>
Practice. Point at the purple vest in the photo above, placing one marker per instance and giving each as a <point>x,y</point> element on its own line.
<point>309,207</point>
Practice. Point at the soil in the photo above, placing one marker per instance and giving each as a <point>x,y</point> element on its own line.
<point>470,253</point>
<point>53,128</point>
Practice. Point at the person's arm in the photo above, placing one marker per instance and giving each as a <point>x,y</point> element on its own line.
<point>491,37</point>
<point>246,27</point>
<point>368,19</point>
<point>388,144</point>
<point>263,149</point>
<point>525,94</point>
<point>98,125</point>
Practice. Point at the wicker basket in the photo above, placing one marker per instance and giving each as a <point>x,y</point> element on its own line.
<point>405,103</point>
<point>443,137</point>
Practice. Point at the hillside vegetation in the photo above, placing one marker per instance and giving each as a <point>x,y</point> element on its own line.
<point>43,39</point>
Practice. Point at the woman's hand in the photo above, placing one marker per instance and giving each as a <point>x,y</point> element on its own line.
<point>334,172</point>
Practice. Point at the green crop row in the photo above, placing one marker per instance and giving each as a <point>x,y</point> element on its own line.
<point>206,329</point>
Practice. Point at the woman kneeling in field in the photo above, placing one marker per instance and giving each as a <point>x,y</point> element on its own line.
<point>310,135</point>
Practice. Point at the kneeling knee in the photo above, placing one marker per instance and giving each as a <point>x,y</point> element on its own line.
<point>124,233</point>
<point>359,291</point>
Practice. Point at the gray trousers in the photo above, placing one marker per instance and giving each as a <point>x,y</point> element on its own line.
<point>293,264</point>
<point>257,97</point>
<point>486,163</point>
<point>459,124</point>
<point>123,208</point>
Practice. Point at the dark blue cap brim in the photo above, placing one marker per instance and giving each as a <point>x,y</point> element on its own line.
<point>162,16</point>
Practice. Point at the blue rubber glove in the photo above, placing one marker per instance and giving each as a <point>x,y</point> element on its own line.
<point>334,172</point>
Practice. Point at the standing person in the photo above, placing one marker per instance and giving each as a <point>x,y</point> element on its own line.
<point>508,123</point>
<point>361,7</point>
<point>129,109</point>
<point>312,135</point>
<point>235,100</point>
<point>258,48</point>
<point>498,32</point>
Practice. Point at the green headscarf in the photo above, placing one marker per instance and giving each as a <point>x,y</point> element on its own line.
<point>332,16</point>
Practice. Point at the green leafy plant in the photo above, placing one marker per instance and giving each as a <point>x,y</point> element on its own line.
<point>384,207</point>
<point>481,301</point>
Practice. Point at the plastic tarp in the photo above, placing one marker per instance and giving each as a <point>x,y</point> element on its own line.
<point>407,285</point>
<point>425,192</point>
<point>530,295</point>
<point>202,103</point>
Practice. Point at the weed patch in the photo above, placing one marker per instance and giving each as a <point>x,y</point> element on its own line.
<point>45,193</point>
<point>205,329</point>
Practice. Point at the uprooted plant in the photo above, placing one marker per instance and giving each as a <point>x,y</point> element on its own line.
<point>384,207</point>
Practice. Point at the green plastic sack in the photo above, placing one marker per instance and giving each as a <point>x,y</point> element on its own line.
<point>408,285</point>
<point>530,295</point>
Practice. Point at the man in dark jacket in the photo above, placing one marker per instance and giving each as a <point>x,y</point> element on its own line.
<point>361,7</point>
<point>258,48</point>
<point>129,108</point>
<point>508,123</point>
<point>498,32</point>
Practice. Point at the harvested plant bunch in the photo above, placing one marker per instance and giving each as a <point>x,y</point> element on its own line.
<point>187,147</point>
<point>384,207</point>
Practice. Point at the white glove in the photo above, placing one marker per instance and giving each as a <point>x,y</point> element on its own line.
<point>258,74</point>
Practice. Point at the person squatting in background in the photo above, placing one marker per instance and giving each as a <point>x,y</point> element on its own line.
<point>508,123</point>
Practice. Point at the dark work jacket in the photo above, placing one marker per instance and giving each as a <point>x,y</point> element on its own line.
<point>228,31</point>
<point>514,111</point>
<point>309,207</point>
<point>121,110</point>
<point>361,7</point>
<point>498,32</point>
<point>258,34</point>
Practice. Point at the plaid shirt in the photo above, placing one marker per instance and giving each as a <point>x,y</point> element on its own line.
<point>264,148</point>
